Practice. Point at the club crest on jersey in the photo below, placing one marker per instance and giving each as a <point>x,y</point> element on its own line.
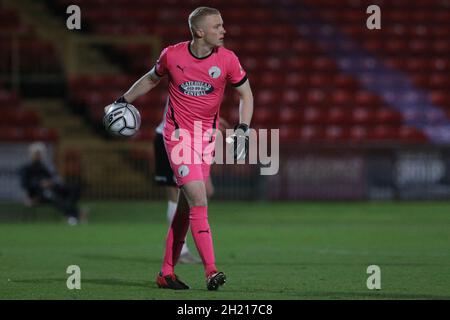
<point>214,72</point>
<point>196,88</point>
<point>183,170</point>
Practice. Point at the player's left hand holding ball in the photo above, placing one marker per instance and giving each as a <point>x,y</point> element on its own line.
<point>121,118</point>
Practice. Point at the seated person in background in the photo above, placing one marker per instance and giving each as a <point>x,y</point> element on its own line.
<point>42,185</point>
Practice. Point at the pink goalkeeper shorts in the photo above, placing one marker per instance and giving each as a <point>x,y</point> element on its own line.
<point>189,160</point>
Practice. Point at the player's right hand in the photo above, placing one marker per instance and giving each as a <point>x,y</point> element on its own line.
<point>240,141</point>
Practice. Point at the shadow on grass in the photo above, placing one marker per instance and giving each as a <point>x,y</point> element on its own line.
<point>106,282</point>
<point>293,294</point>
<point>238,262</point>
<point>106,257</point>
<point>318,264</point>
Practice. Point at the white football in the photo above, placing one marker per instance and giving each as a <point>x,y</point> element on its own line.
<point>122,119</point>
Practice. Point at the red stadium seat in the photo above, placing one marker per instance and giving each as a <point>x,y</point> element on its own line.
<point>289,134</point>
<point>439,81</point>
<point>411,134</point>
<point>373,45</point>
<point>337,133</point>
<point>274,64</point>
<point>320,80</point>
<point>351,30</point>
<point>263,117</point>
<point>290,116</point>
<point>441,47</point>
<point>11,134</point>
<point>312,133</point>
<point>291,97</point>
<point>396,46</point>
<point>346,82</point>
<point>420,80</point>
<point>276,46</point>
<point>387,116</point>
<point>439,97</point>
<point>419,46</point>
<point>383,132</point>
<point>270,80</point>
<point>324,64</point>
<point>417,65</point>
<point>252,63</point>
<point>302,47</point>
<point>252,46</point>
<point>296,80</point>
<point>317,97</point>
<point>363,116</point>
<point>358,133</point>
<point>366,99</point>
<point>267,98</point>
<point>314,115</point>
<point>343,98</point>
<point>293,71</point>
<point>396,63</point>
<point>337,116</point>
<point>440,64</point>
<point>297,63</point>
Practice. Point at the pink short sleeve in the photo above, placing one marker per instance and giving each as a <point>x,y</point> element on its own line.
<point>236,74</point>
<point>161,64</point>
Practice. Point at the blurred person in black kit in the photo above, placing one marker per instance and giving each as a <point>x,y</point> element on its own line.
<point>42,185</point>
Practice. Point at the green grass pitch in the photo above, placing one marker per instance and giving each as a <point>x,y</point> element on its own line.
<point>288,250</point>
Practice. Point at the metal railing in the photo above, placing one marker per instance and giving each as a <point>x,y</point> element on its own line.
<point>389,172</point>
<point>26,59</point>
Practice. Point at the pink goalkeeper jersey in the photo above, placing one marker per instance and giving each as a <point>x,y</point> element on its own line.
<point>196,85</point>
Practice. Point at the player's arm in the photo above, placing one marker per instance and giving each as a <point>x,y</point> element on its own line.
<point>240,136</point>
<point>245,103</point>
<point>146,83</point>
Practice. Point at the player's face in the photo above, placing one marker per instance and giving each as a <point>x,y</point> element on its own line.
<point>214,30</point>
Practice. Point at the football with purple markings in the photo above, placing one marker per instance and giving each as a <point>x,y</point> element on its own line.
<point>122,119</point>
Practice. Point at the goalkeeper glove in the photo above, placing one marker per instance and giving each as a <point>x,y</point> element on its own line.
<point>240,141</point>
<point>121,99</point>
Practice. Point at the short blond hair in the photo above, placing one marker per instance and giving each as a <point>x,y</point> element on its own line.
<point>197,15</point>
<point>37,147</point>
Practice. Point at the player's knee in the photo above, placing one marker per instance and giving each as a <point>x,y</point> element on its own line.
<point>195,194</point>
<point>199,202</point>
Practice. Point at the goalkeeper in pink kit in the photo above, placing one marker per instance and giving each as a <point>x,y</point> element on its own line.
<point>198,72</point>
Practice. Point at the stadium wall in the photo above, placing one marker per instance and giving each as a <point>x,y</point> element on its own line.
<point>383,172</point>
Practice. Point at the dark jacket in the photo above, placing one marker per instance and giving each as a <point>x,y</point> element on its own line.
<point>31,176</point>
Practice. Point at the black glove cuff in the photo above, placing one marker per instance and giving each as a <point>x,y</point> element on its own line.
<point>242,126</point>
<point>121,100</point>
